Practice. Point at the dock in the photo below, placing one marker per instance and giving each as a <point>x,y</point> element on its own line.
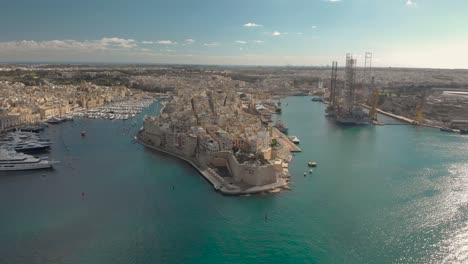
<point>292,147</point>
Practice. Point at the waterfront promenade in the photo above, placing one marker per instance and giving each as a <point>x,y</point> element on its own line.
<point>220,183</point>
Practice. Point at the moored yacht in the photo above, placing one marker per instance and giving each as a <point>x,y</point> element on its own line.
<point>55,120</point>
<point>281,126</point>
<point>294,139</point>
<point>14,161</point>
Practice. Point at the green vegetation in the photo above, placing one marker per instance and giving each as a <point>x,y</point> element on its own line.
<point>274,143</point>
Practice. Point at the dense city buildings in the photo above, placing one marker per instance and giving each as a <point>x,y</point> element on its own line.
<point>20,103</point>
<point>221,137</point>
<point>32,92</point>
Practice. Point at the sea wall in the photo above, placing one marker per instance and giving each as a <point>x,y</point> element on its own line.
<point>254,175</point>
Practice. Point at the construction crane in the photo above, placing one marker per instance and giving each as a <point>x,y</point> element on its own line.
<point>374,100</point>
<point>421,101</point>
<point>419,118</point>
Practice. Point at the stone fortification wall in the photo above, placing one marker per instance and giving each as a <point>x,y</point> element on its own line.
<point>255,175</point>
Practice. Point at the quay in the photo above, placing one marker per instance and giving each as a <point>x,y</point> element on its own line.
<point>406,120</point>
<point>219,183</point>
<point>292,147</point>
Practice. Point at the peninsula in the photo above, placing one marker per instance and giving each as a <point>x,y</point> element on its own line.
<point>224,138</point>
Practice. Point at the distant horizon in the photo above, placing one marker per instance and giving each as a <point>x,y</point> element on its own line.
<point>102,64</point>
<point>427,34</point>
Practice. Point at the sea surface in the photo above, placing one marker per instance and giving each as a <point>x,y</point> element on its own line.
<point>384,194</point>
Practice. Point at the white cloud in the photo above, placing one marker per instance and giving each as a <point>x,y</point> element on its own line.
<point>166,42</point>
<point>314,26</point>
<point>276,33</point>
<point>332,1</point>
<point>124,43</point>
<point>258,41</point>
<point>250,24</point>
<point>411,3</point>
<point>241,42</point>
<point>299,33</point>
<point>211,44</point>
<point>71,45</point>
<point>147,42</point>
<point>190,41</point>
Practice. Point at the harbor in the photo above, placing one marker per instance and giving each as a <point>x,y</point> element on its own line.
<point>108,193</point>
<point>116,110</point>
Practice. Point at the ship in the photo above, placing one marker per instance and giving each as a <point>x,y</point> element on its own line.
<point>294,139</point>
<point>281,126</point>
<point>347,111</point>
<point>278,107</point>
<point>11,160</point>
<point>55,120</point>
<point>447,129</point>
<point>25,142</point>
<point>330,111</point>
<point>354,116</point>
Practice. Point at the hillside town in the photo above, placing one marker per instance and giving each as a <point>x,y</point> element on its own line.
<point>223,137</point>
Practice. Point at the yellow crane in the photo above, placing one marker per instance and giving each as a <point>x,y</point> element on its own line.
<point>419,118</point>
<point>373,104</point>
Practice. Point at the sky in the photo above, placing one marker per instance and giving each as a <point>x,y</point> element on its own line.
<point>399,33</point>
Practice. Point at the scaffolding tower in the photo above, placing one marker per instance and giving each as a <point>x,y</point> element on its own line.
<point>333,91</point>
<point>350,87</point>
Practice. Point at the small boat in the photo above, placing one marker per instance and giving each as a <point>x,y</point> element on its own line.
<point>305,174</point>
<point>55,120</point>
<point>83,133</point>
<point>294,139</point>
<point>317,99</point>
<point>312,164</point>
<point>446,129</point>
<point>281,126</point>
<point>311,170</point>
<point>464,131</point>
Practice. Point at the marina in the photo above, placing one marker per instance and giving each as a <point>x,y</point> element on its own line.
<point>117,110</point>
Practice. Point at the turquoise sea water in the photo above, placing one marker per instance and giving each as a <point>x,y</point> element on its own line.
<point>389,194</point>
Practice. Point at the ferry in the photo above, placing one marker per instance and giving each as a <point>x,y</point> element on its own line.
<point>294,139</point>
<point>12,161</point>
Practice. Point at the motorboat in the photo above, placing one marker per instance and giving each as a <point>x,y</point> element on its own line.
<point>294,139</point>
<point>312,164</point>
<point>55,120</point>
<point>11,160</point>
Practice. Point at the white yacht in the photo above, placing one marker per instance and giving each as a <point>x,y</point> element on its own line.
<point>294,139</point>
<point>14,161</point>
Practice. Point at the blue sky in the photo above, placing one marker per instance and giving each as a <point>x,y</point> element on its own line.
<point>413,33</point>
